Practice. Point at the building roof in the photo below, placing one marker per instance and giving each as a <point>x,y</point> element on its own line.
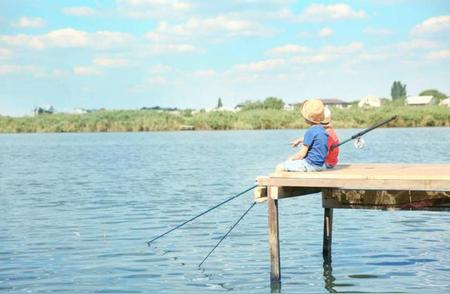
<point>333,101</point>
<point>419,100</point>
<point>445,102</point>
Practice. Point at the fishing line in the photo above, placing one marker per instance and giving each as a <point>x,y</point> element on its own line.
<point>199,215</point>
<point>229,231</point>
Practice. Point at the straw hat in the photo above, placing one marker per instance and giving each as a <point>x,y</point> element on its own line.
<point>312,110</point>
<point>326,116</point>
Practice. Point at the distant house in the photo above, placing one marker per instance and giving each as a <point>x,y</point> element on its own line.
<point>420,100</point>
<point>289,107</point>
<point>160,109</point>
<point>223,108</point>
<point>445,102</point>
<point>48,109</point>
<point>369,101</point>
<point>335,103</point>
<point>80,111</point>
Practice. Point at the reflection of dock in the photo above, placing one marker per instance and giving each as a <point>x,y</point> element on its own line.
<point>366,186</point>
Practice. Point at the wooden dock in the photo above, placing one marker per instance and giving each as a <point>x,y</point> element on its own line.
<point>364,186</point>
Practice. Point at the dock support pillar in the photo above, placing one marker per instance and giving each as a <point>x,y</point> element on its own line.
<point>327,233</point>
<point>274,242</point>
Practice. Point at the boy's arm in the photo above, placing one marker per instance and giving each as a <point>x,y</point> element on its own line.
<point>296,142</point>
<point>301,154</point>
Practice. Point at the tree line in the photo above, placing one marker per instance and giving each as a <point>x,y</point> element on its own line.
<point>398,92</point>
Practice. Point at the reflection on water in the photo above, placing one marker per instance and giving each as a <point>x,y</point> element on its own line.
<point>328,278</point>
<point>77,210</point>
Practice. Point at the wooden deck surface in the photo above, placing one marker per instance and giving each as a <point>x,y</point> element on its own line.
<point>417,177</point>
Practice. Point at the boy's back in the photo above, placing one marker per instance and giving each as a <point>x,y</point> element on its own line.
<point>332,158</point>
<point>317,139</point>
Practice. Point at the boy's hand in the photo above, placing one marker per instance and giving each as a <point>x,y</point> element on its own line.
<point>296,142</point>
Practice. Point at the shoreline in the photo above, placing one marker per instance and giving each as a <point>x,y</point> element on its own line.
<point>261,119</point>
<point>211,130</point>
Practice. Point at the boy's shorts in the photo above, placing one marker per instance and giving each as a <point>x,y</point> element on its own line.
<point>300,166</point>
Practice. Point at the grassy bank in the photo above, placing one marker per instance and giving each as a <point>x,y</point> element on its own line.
<point>147,120</point>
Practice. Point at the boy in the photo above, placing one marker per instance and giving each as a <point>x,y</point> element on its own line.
<point>311,156</point>
<point>333,153</point>
<point>332,157</point>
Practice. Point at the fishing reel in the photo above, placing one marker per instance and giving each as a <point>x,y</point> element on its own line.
<point>359,143</point>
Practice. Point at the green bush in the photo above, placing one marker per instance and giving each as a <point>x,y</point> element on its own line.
<point>258,118</point>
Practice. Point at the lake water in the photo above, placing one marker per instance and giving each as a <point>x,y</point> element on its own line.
<point>77,209</point>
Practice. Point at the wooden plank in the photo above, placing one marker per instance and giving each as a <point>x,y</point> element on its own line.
<point>378,171</point>
<point>274,241</point>
<point>362,184</point>
<point>327,233</point>
<point>286,192</point>
<point>260,194</point>
<point>386,199</point>
<point>417,177</point>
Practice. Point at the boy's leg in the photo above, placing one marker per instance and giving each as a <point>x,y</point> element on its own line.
<point>294,165</point>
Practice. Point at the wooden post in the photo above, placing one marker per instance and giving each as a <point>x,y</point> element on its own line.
<point>327,233</point>
<point>274,241</point>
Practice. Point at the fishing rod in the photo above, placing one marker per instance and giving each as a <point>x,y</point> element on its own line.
<point>199,215</point>
<point>363,132</point>
<point>229,231</point>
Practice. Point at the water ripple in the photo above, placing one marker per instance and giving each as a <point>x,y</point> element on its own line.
<point>77,210</point>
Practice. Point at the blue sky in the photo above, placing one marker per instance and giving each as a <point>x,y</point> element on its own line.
<point>187,53</point>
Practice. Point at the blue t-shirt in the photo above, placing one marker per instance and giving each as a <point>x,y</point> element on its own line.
<point>317,139</point>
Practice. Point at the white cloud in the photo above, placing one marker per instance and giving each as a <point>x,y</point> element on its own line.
<point>437,24</point>
<point>28,22</point>
<point>326,32</point>
<point>79,11</point>
<point>323,12</point>
<point>219,27</point>
<point>374,56</point>
<point>441,54</point>
<point>417,44</point>
<point>411,51</point>
<point>173,49</point>
<point>111,62</point>
<point>261,2</point>
<point>287,49</point>
<point>160,69</point>
<point>379,32</point>
<point>345,49</point>
<point>86,71</point>
<point>31,41</point>
<point>259,66</point>
<point>312,58</point>
<point>156,9</point>
<point>305,55</point>
<point>157,80</point>
<point>5,53</point>
<point>204,73</point>
<point>68,38</point>
<point>7,69</point>
<point>107,39</point>
<point>65,38</point>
